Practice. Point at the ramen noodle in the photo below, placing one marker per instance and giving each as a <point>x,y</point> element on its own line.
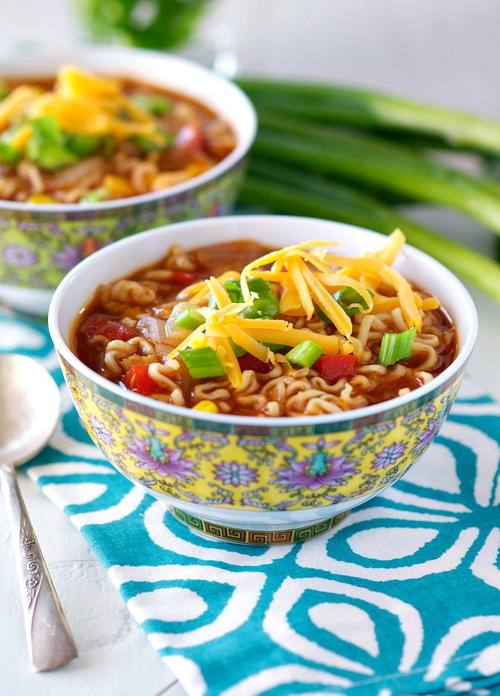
<point>236,328</point>
<point>85,139</point>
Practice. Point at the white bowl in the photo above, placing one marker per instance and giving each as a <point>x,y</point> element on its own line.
<point>45,239</point>
<point>275,515</point>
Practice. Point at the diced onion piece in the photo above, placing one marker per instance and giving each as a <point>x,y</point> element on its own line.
<point>153,328</point>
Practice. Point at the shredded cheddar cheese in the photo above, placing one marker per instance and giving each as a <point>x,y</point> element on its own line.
<point>307,276</point>
<point>81,103</point>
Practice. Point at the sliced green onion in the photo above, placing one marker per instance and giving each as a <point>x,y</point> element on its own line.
<point>148,145</point>
<point>396,347</point>
<point>95,196</point>
<point>202,362</point>
<point>49,155</point>
<point>347,297</point>
<point>233,289</point>
<point>80,144</point>
<point>108,146</point>
<point>265,306</point>
<point>276,347</point>
<point>47,128</point>
<point>4,90</point>
<point>46,147</point>
<point>262,308</point>
<point>304,354</point>
<point>238,350</point>
<point>154,104</point>
<point>189,318</point>
<point>8,154</point>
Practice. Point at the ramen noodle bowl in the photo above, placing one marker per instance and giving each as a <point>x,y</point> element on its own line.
<point>286,451</point>
<point>53,219</point>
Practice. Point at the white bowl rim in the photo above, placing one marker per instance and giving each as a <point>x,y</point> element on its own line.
<point>195,182</point>
<point>265,423</point>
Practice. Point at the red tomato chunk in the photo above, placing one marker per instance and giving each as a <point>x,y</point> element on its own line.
<point>183,278</point>
<point>250,362</point>
<point>189,139</point>
<point>333,367</point>
<point>110,328</point>
<point>138,380</point>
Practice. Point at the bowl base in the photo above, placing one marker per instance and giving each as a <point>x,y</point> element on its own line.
<point>267,534</point>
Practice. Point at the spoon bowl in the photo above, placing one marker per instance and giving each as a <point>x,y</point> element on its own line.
<point>29,411</point>
<point>29,408</point>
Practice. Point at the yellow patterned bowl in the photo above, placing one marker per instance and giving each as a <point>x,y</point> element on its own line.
<point>40,243</point>
<point>247,479</point>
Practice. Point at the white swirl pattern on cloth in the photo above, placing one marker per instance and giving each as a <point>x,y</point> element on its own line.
<point>351,612</point>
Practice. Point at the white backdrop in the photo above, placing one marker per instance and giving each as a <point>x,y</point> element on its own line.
<point>444,50</point>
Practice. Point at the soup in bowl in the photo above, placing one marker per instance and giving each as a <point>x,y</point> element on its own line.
<point>262,384</point>
<point>100,143</point>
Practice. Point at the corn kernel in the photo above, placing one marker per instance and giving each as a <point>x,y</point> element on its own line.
<point>41,198</point>
<point>199,341</point>
<point>117,186</point>
<point>207,406</point>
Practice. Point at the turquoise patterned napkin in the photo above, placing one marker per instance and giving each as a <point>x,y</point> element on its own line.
<point>402,598</point>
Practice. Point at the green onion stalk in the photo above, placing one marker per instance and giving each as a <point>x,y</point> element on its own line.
<point>288,191</point>
<point>365,159</point>
<point>371,109</point>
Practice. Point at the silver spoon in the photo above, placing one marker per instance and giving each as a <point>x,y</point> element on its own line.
<point>29,411</point>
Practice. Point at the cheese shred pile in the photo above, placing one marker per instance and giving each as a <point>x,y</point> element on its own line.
<point>305,277</point>
<point>81,103</point>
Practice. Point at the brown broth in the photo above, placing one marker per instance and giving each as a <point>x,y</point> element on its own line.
<point>214,260</point>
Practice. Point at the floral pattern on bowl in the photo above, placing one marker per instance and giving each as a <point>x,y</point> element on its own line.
<point>38,247</point>
<point>302,468</point>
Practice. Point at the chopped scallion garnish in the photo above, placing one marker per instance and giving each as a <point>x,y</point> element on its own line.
<point>47,146</point>
<point>238,350</point>
<point>154,104</point>
<point>80,144</point>
<point>189,318</point>
<point>233,289</point>
<point>95,196</point>
<point>202,363</point>
<point>276,347</point>
<point>304,354</point>
<point>396,346</point>
<point>346,297</point>
<point>148,144</point>
<point>350,300</point>
<point>9,154</point>
<point>265,306</point>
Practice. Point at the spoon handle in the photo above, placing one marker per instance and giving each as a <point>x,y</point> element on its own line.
<point>50,643</point>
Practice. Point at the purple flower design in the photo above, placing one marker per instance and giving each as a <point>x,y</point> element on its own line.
<point>321,470</point>
<point>427,436</point>
<point>101,433</point>
<point>20,256</point>
<point>389,455</point>
<point>153,455</point>
<point>234,474</point>
<point>68,257</point>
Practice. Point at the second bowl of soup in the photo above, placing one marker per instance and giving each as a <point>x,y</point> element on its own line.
<point>101,143</point>
<point>267,382</point>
